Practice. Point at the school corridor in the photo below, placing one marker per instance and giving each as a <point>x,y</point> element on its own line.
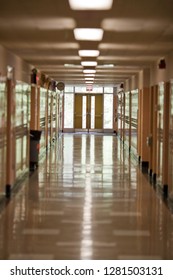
<point>86,130</point>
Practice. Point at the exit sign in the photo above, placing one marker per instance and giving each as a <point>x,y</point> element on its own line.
<point>89,88</point>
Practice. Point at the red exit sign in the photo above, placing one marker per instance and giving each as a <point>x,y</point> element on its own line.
<point>89,88</point>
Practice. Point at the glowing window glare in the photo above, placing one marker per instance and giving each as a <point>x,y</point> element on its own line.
<point>89,63</point>
<point>90,53</point>
<point>90,34</point>
<point>90,4</point>
<point>89,71</point>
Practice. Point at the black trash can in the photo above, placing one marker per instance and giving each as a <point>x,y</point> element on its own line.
<point>35,136</point>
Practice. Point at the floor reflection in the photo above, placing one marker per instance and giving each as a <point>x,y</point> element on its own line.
<point>87,200</point>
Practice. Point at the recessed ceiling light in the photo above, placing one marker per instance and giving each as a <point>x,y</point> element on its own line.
<point>89,71</point>
<point>89,79</point>
<point>69,65</point>
<point>108,65</point>
<point>91,53</point>
<point>90,34</point>
<point>89,75</point>
<point>89,63</point>
<point>90,4</point>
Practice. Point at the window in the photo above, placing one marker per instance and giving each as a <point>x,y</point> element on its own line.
<point>108,111</point>
<point>68,110</point>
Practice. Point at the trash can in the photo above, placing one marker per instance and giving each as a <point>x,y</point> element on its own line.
<point>35,136</point>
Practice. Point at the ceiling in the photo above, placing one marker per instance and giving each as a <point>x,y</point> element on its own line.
<point>136,34</point>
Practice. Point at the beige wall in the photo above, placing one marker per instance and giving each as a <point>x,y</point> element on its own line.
<point>22,69</point>
<point>151,76</point>
<point>162,75</point>
<point>138,81</point>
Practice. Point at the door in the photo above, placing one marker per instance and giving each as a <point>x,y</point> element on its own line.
<point>88,113</point>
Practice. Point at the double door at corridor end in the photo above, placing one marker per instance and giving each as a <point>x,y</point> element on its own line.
<point>88,112</point>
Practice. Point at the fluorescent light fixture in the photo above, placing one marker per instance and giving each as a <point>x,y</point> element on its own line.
<point>89,63</point>
<point>89,75</point>
<point>89,71</point>
<point>69,65</point>
<point>89,82</point>
<point>90,34</point>
<point>89,53</point>
<point>108,65</point>
<point>89,79</point>
<point>90,4</point>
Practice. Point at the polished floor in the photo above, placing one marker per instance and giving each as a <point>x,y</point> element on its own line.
<point>87,200</point>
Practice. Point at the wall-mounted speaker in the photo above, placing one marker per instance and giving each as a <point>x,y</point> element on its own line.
<point>162,64</point>
<point>34,76</point>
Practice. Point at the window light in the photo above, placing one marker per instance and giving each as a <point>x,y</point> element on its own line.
<point>90,34</point>
<point>91,53</point>
<point>90,4</point>
<point>89,63</point>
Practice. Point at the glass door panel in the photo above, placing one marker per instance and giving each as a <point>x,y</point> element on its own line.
<point>92,112</point>
<point>78,112</point>
<point>99,112</point>
<point>84,112</point>
<point>88,112</point>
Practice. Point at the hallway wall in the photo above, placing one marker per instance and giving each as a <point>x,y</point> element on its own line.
<point>162,75</point>
<point>24,107</point>
<point>22,69</point>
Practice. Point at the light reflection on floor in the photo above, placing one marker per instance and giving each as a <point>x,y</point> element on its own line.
<point>87,200</point>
